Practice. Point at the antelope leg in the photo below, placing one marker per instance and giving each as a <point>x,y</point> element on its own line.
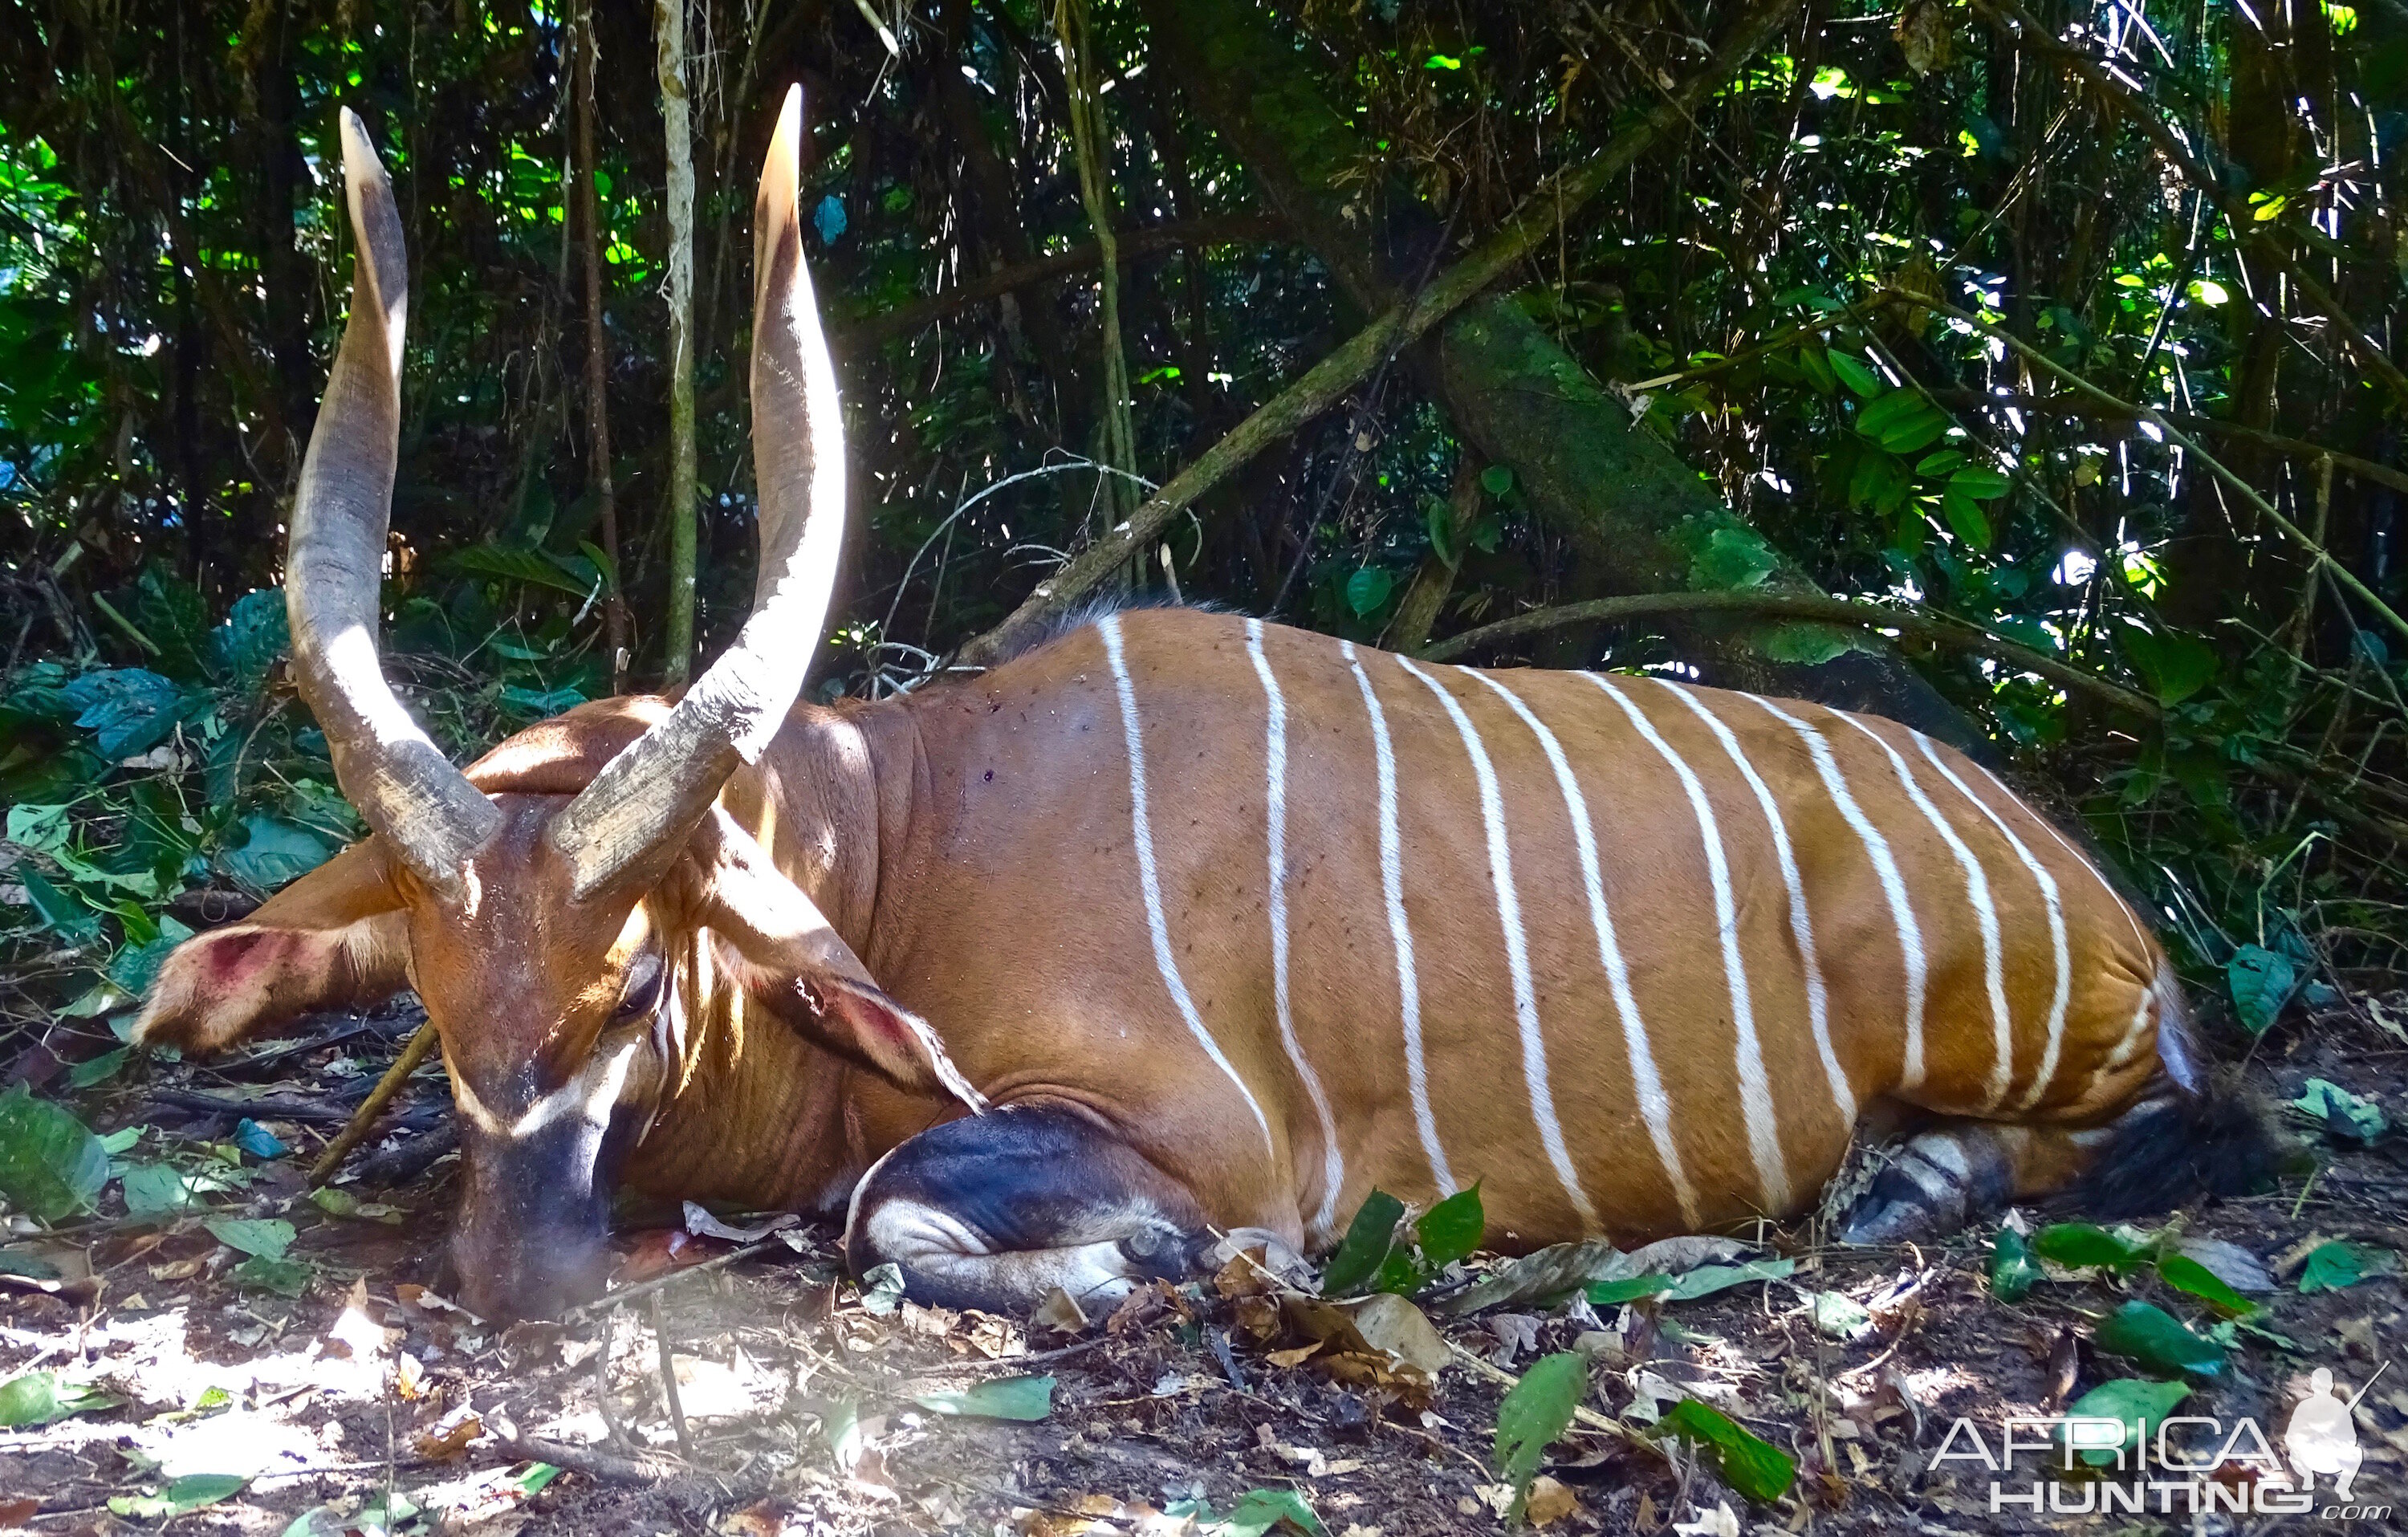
<point>996,1211</point>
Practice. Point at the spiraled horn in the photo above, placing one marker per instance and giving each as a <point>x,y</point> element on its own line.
<point>400,782</point>
<point>634,818</point>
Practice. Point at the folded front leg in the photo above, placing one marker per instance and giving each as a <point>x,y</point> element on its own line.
<point>994,1211</point>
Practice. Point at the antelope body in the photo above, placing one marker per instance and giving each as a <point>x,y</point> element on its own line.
<point>1178,921</point>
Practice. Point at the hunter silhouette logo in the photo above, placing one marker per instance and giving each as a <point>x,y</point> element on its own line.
<point>2322,1437</point>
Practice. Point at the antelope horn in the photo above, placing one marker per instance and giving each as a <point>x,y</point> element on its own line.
<point>401,782</point>
<point>632,821</point>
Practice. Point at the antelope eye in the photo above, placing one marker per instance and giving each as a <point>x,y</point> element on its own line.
<point>642,992</point>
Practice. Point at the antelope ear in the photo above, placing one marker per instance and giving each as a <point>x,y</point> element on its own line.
<point>336,937</point>
<point>775,941</point>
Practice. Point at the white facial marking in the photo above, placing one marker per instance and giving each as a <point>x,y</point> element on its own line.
<point>1910,934</point>
<point>1986,917</point>
<point>2055,1044</point>
<point>1801,928</point>
<point>1756,1093</point>
<point>1333,1161</point>
<point>592,1095</point>
<point>1150,881</point>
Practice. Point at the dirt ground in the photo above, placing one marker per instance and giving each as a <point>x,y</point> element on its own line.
<point>370,1402</point>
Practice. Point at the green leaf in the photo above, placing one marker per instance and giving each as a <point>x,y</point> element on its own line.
<point>98,1070</point>
<point>253,636</point>
<point>2154,1337</point>
<point>44,829</point>
<point>1966,519</point>
<point>257,1141</point>
<point>51,1164</point>
<point>25,1262</point>
<point>1438,521</point>
<point>188,1493</point>
<point>1855,375</point>
<point>129,710</point>
<point>1915,430</point>
<point>1817,370</point>
<point>37,1398</point>
<point>1841,1316</point>
<point>1497,480</point>
<point>137,965</point>
<point>1534,1412</point>
<point>1452,1229</point>
<point>1003,1398</point>
<point>1757,1468</point>
<point>1808,645</point>
<point>2261,981</point>
<point>1734,558</point>
<point>155,1189</point>
<point>261,1272</point>
<point>2344,1114</point>
<point>1630,1288</point>
<point>2186,1274</point>
<point>2135,1402</point>
<point>1940,463</point>
<point>2176,666</point>
<point>2081,1246</point>
<point>266,1237</point>
<point>1981,484</point>
<point>276,852</point>
<point>1367,589</point>
<point>1706,1280</point>
<point>2332,1267</point>
<point>1365,1245</point>
<point>73,921</point>
<point>1257,1511</point>
<point>2013,1270</point>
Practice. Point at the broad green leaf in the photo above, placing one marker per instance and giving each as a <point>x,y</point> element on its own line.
<point>1841,1316</point>
<point>2187,1274</point>
<point>1817,370</point>
<point>1257,1511</point>
<point>37,1398</point>
<point>1809,645</point>
<point>73,921</point>
<point>2135,1402</point>
<point>2344,1114</point>
<point>264,1273</point>
<point>276,852</point>
<point>2154,1337</point>
<point>1706,1280</point>
<point>1733,559</point>
<point>1913,431</point>
<point>156,1189</point>
<point>97,1069</point>
<point>181,1494</point>
<point>28,1264</point>
<point>1367,589</point>
<point>43,829</point>
<point>1938,463</point>
<point>255,635</point>
<point>2332,1267</point>
<point>1365,1247</point>
<point>1003,1398</point>
<point>266,1237</point>
<point>129,710</point>
<point>1630,1288</point>
<point>1534,1412</point>
<point>2262,981</point>
<point>1981,484</point>
<point>257,1141</point>
<point>1452,1229</point>
<point>137,965</point>
<point>2013,1270</point>
<point>1966,519</point>
<point>1855,375</point>
<point>1755,1468</point>
<point>881,1289</point>
<point>51,1164</point>
<point>2081,1246</point>
<point>2176,666</point>
<point>1497,480</point>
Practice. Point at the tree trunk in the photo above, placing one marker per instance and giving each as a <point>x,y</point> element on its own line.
<point>598,353</point>
<point>677,641</point>
<point>1629,506</point>
<point>1092,151</point>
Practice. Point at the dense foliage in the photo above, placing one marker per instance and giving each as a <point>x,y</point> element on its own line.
<point>1857,292</point>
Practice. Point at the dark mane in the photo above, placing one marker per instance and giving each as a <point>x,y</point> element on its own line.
<point>1085,612</point>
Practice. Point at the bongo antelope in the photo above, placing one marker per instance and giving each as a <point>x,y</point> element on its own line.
<point>1177,922</point>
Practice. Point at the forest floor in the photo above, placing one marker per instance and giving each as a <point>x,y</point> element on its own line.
<point>368,1404</point>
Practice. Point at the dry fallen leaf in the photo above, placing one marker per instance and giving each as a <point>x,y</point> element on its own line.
<point>357,1335</point>
<point>1060,1313</point>
<point>762,1518</point>
<point>1392,1325</point>
<point>449,1438</point>
<point>1718,1522</point>
<point>1550,1501</point>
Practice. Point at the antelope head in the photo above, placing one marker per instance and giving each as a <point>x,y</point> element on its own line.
<point>547,931</point>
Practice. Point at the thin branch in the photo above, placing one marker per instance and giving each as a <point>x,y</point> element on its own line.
<point>1326,381</point>
<point>1914,624</point>
<point>363,1119</point>
<point>2298,447</point>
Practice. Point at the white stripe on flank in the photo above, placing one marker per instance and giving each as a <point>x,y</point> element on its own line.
<point>1653,1107</point>
<point>2047,884</point>
<point>1517,951</point>
<point>1392,887</point>
<point>1910,934</point>
<point>1801,929</point>
<point>1756,1094</point>
<point>1333,1162</point>
<point>1143,838</point>
<point>1986,915</point>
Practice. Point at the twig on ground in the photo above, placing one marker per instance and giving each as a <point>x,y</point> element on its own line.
<point>645,1288</point>
<point>640,1468</point>
<point>669,1379</point>
<point>363,1119</point>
